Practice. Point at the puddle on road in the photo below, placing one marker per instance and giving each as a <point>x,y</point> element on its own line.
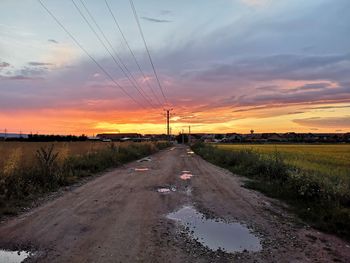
<point>141,169</point>
<point>172,149</point>
<point>216,234</point>
<point>190,152</point>
<point>185,172</point>
<point>166,190</point>
<point>146,159</point>
<point>13,256</point>
<point>186,176</point>
<point>163,190</point>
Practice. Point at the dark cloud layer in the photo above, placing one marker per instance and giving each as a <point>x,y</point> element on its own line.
<point>327,122</point>
<point>287,67</point>
<point>155,20</point>
<point>19,77</point>
<point>53,41</point>
<point>35,63</point>
<point>4,65</point>
<point>240,64</point>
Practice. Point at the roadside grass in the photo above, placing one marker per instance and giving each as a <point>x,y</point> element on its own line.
<point>326,159</point>
<point>319,193</point>
<point>29,169</point>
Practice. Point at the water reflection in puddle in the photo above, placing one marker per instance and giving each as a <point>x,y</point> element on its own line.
<point>190,152</point>
<point>13,256</point>
<point>216,234</point>
<point>165,190</point>
<point>186,176</point>
<point>141,169</point>
<point>146,159</point>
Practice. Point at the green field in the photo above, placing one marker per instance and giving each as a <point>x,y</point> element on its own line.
<point>313,178</point>
<point>322,159</point>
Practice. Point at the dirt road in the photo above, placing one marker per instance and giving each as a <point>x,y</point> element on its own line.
<point>120,217</point>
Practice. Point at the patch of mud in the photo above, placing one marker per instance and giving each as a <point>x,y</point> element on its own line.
<point>188,191</point>
<point>216,234</point>
<point>13,256</point>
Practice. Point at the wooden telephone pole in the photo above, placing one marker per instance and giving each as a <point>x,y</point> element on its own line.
<point>168,121</point>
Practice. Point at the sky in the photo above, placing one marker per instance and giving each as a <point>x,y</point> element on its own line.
<point>224,66</point>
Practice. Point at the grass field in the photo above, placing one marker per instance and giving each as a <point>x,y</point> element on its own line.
<point>314,179</point>
<point>324,159</point>
<point>31,169</point>
<point>24,153</point>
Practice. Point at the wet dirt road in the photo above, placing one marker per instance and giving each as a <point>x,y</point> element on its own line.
<point>121,217</point>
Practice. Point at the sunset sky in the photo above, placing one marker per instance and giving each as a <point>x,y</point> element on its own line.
<point>225,66</point>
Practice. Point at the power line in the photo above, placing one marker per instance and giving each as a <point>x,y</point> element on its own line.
<point>131,52</point>
<point>110,53</point>
<point>111,46</point>
<point>146,47</point>
<point>88,54</point>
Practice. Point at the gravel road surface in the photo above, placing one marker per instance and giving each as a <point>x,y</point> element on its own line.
<point>121,217</point>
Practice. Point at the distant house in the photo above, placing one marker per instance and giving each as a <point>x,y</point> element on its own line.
<point>274,137</point>
<point>292,137</point>
<point>346,137</point>
<point>232,137</point>
<point>208,138</point>
<point>11,136</point>
<point>119,136</point>
<point>157,137</point>
<point>309,137</point>
<point>254,137</point>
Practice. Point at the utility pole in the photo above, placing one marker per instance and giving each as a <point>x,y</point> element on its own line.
<point>5,134</point>
<point>168,122</point>
<point>183,137</point>
<point>189,134</point>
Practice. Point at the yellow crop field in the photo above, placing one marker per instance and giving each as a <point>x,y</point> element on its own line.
<point>328,159</point>
<point>313,178</point>
<point>28,169</point>
<point>24,152</point>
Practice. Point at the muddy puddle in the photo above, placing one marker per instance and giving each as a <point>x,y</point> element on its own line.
<point>186,176</point>
<point>141,169</point>
<point>166,190</point>
<point>13,256</point>
<point>146,159</point>
<point>216,234</point>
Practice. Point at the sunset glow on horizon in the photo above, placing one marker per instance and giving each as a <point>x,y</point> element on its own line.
<point>225,66</point>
